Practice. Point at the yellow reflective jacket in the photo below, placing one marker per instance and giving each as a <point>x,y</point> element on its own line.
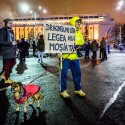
<point>79,40</point>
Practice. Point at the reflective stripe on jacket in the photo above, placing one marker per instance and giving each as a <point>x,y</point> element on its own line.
<point>79,40</point>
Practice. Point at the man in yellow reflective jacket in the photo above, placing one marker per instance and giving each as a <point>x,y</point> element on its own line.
<point>72,61</point>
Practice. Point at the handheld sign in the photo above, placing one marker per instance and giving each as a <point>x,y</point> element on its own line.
<point>59,38</point>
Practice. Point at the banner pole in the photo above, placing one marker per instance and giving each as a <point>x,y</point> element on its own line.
<point>60,70</point>
<point>61,63</point>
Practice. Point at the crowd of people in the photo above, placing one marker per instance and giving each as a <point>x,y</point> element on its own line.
<point>104,48</point>
<point>9,45</point>
<point>23,49</point>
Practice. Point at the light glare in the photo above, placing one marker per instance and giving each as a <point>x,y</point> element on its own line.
<point>44,11</point>
<point>118,8</point>
<point>39,7</point>
<point>31,11</point>
<point>121,3</point>
<point>24,7</point>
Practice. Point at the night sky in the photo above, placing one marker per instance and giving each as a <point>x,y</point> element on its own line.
<point>10,8</point>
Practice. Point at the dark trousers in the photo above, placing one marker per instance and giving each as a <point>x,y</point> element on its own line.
<point>104,54</point>
<point>8,65</point>
<point>94,56</point>
<point>109,51</point>
<point>100,54</point>
<point>22,56</point>
<point>34,50</point>
<point>87,54</point>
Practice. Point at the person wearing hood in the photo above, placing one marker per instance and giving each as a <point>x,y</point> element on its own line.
<point>8,43</point>
<point>72,61</point>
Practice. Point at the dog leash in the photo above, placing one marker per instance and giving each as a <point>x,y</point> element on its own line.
<point>2,89</point>
<point>47,70</point>
<point>38,76</point>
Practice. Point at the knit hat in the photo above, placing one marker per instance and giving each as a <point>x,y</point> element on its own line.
<point>6,20</point>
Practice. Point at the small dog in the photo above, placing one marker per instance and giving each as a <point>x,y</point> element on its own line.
<point>23,93</point>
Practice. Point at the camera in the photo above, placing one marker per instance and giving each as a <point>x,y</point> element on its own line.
<point>79,53</point>
<point>80,49</point>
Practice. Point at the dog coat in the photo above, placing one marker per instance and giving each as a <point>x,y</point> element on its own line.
<point>28,91</point>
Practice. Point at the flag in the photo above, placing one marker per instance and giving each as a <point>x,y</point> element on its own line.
<point>106,34</point>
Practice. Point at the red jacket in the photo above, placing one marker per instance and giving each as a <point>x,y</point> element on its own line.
<point>29,90</point>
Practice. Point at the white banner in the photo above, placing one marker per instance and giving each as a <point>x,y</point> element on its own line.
<point>59,38</point>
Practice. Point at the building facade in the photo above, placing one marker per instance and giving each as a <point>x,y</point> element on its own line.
<point>94,26</point>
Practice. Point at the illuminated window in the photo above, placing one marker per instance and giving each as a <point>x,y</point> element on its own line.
<point>96,32</point>
<point>90,32</point>
<point>17,33</point>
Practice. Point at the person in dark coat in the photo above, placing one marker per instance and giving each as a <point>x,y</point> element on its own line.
<point>34,47</point>
<point>40,47</point>
<point>94,48</point>
<point>87,50</point>
<point>27,48</point>
<point>8,43</point>
<point>100,52</point>
<point>103,48</point>
<point>22,46</point>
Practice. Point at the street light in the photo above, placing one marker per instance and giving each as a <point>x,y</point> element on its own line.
<point>44,11</point>
<point>121,5</point>
<point>35,15</point>
<point>118,8</point>
<point>39,7</point>
<point>24,7</point>
<point>120,36</point>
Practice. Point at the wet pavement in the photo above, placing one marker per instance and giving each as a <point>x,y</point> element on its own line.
<point>103,83</point>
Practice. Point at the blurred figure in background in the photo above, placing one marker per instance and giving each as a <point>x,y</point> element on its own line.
<point>121,48</point>
<point>108,48</point>
<point>94,48</point>
<point>22,46</point>
<point>87,50</point>
<point>103,48</point>
<point>27,48</point>
<point>34,47</point>
<point>41,48</point>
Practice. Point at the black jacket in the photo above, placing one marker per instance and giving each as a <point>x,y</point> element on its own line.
<point>41,45</point>
<point>6,39</point>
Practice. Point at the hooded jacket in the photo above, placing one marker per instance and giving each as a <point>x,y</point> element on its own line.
<point>79,40</point>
